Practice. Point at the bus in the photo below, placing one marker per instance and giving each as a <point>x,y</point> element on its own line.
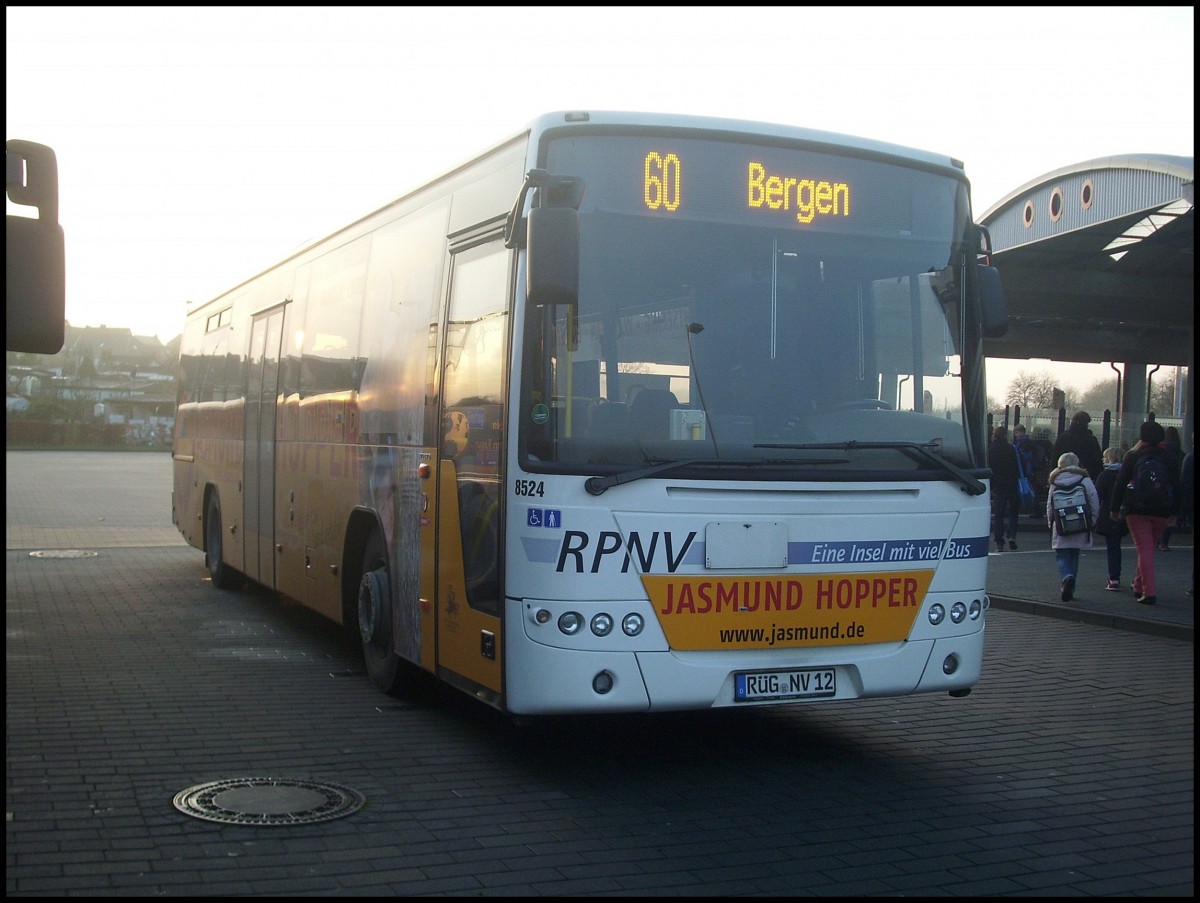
<point>629,413</point>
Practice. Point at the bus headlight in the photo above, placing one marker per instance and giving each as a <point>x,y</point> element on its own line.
<point>975,609</point>
<point>937,613</point>
<point>569,622</point>
<point>958,611</point>
<point>602,624</point>
<point>632,624</point>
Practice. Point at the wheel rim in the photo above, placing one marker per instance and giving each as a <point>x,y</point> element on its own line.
<point>372,608</point>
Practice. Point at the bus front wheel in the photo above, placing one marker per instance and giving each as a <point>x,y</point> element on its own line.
<point>374,606</point>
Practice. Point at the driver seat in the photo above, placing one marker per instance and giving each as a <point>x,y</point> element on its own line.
<point>650,413</point>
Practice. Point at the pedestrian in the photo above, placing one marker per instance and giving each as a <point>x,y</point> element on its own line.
<point>1112,531</point>
<point>1187,503</point>
<point>1079,439</point>
<point>1024,447</point>
<point>1006,491</point>
<point>1146,519</point>
<point>1068,475</point>
<point>1174,452</point>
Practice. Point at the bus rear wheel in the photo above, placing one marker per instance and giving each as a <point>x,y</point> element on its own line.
<point>223,576</point>
<point>374,610</point>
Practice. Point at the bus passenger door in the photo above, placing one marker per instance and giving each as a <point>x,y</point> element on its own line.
<point>259,466</point>
<point>470,470</point>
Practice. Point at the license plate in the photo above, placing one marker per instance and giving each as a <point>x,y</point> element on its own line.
<point>755,686</point>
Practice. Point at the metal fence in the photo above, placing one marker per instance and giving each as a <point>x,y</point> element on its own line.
<point>1044,424</point>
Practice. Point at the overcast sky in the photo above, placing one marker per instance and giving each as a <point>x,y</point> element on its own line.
<point>196,145</point>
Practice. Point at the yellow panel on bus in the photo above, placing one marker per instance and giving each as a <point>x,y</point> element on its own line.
<point>787,611</point>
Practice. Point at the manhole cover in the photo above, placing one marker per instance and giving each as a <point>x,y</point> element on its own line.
<point>63,553</point>
<point>268,801</point>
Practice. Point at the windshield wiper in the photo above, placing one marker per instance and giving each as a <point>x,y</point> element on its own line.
<point>922,449</point>
<point>597,485</point>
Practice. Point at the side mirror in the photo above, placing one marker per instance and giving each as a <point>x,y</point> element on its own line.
<point>993,309</point>
<point>35,263</point>
<point>552,256</point>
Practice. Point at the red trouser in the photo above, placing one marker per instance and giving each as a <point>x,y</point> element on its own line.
<point>1146,532</point>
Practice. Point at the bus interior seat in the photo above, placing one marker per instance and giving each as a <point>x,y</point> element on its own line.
<point>609,421</point>
<point>650,413</point>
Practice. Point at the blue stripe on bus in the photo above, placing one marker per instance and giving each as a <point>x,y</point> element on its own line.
<point>884,551</point>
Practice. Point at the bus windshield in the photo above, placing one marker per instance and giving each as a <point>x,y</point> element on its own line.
<point>752,303</point>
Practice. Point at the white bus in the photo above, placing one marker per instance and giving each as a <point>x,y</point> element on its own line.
<point>629,413</point>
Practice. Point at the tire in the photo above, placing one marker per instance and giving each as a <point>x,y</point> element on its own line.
<point>373,618</point>
<point>223,576</point>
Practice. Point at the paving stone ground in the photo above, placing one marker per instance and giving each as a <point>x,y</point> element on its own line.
<point>1069,771</point>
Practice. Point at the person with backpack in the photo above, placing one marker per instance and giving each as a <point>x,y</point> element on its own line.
<point>1147,494</point>
<point>1112,531</point>
<point>1071,506</point>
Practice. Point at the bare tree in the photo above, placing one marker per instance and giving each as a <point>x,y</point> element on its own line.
<point>1162,393</point>
<point>1033,390</point>
<point>1099,396</point>
<point>1102,395</point>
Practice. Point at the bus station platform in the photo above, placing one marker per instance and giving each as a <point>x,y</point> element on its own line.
<point>1026,580</point>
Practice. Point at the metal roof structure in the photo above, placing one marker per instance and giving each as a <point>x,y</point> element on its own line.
<point>1097,263</point>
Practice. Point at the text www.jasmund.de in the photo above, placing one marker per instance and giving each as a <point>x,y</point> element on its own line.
<point>776,634</point>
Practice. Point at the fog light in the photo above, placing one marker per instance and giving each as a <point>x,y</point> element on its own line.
<point>958,611</point>
<point>632,624</point>
<point>937,613</point>
<point>570,622</point>
<point>950,665</point>
<point>975,610</point>
<point>602,624</point>
<point>602,682</point>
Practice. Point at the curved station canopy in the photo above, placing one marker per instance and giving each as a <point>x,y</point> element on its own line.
<point>1097,264</point>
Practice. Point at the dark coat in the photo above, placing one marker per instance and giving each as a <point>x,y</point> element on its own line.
<point>1187,484</point>
<point>1081,441</point>
<point>1104,487</point>
<point>1002,459</point>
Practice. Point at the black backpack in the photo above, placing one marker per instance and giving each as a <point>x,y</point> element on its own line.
<point>1150,491</point>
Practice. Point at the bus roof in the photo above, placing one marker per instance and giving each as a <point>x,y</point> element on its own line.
<point>740,127</point>
<point>545,122</point>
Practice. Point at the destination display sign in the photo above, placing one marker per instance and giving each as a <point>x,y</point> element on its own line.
<point>684,178</point>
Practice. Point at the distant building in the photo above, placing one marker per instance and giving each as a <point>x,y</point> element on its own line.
<point>102,374</point>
